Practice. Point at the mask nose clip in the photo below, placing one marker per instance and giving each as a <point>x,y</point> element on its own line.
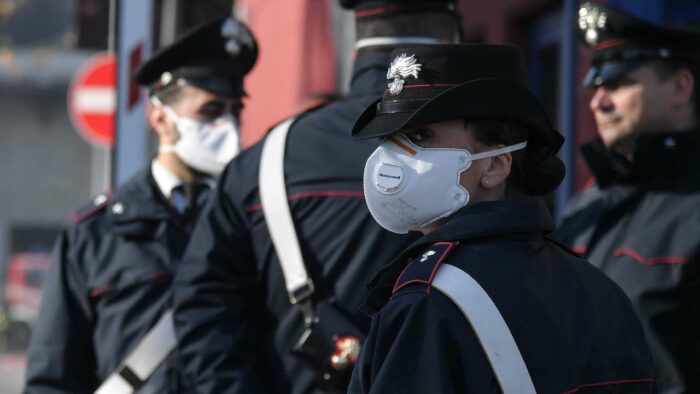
<point>389,178</point>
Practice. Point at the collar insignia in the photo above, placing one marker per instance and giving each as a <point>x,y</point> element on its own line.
<point>427,255</point>
<point>402,67</point>
<point>591,20</point>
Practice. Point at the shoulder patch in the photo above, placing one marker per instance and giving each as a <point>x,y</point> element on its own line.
<point>98,203</point>
<point>421,268</point>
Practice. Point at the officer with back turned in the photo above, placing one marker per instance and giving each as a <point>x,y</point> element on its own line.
<point>246,323</point>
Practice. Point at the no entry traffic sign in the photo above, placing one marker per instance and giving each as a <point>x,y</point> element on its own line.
<point>92,100</point>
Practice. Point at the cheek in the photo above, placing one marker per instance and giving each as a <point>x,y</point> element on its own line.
<point>656,106</point>
<point>172,135</point>
<point>471,178</point>
<point>630,104</point>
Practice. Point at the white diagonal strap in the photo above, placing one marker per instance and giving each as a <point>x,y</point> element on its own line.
<point>140,364</point>
<point>275,207</point>
<point>490,328</point>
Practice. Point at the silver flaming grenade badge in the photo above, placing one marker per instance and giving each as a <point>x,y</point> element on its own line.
<point>591,20</point>
<point>402,67</point>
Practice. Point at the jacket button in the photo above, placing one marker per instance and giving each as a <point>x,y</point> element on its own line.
<point>99,200</point>
<point>118,208</point>
<point>670,142</point>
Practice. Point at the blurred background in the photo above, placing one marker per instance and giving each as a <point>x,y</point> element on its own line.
<point>71,123</point>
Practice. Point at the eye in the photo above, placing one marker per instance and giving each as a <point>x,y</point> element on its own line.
<point>212,110</point>
<point>419,135</point>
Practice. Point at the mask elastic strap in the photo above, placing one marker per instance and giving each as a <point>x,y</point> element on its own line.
<point>492,153</point>
<point>394,41</point>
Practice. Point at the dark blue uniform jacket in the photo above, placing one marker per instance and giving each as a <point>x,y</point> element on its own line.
<point>233,316</point>
<point>641,226</point>
<point>575,329</point>
<point>108,284</point>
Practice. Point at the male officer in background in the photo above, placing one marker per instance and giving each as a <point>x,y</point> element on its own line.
<point>236,325</point>
<point>640,222</point>
<point>109,282</point>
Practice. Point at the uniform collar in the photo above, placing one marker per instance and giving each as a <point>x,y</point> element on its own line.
<point>165,180</point>
<point>518,217</point>
<point>657,157</point>
<point>138,199</point>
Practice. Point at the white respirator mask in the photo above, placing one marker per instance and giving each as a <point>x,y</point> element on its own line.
<point>204,146</point>
<point>407,186</point>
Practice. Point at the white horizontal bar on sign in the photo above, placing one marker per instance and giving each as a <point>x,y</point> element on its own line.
<point>95,100</point>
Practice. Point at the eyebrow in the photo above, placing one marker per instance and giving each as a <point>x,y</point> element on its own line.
<point>214,102</point>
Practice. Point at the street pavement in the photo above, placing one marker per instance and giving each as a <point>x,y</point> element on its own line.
<point>12,372</point>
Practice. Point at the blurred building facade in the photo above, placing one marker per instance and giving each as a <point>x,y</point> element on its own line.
<point>46,167</point>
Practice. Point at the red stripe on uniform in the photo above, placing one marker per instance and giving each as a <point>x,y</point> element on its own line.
<point>319,193</point>
<point>100,290</point>
<point>580,250</point>
<point>650,261</point>
<point>385,10</point>
<point>398,286</point>
<point>612,383</point>
<point>153,276</point>
<point>610,43</point>
<point>375,11</point>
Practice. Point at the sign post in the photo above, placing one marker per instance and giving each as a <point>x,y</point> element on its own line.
<point>134,28</point>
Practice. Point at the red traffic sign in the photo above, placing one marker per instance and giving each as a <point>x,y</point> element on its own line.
<point>92,100</point>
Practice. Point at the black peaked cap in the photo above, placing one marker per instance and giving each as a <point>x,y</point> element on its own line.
<point>214,56</point>
<point>621,42</point>
<point>434,83</point>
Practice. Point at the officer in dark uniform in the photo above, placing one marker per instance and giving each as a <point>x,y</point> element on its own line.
<point>238,331</point>
<point>639,223</point>
<point>484,302</point>
<point>109,282</point>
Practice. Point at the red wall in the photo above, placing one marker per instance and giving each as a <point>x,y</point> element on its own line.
<point>297,60</point>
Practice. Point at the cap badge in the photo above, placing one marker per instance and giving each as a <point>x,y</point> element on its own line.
<point>237,36</point>
<point>591,20</point>
<point>166,78</point>
<point>402,67</point>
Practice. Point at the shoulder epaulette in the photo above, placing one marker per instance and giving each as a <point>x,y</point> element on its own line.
<point>95,205</point>
<point>421,269</point>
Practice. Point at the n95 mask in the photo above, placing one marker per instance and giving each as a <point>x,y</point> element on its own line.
<point>407,186</point>
<point>204,146</point>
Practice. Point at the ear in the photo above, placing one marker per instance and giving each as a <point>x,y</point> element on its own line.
<point>160,123</point>
<point>497,171</point>
<point>683,86</point>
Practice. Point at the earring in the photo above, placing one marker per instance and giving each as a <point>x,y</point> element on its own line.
<point>485,182</point>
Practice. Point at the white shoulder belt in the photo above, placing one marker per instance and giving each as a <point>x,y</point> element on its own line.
<point>490,328</point>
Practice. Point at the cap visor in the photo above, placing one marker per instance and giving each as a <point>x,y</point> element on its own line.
<point>608,71</point>
<point>373,125</point>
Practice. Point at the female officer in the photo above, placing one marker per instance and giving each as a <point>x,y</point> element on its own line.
<point>484,302</point>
